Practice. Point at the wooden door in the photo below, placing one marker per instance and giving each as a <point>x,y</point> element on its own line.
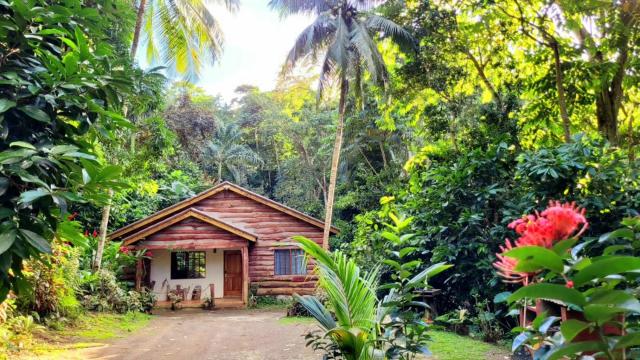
<point>232,273</point>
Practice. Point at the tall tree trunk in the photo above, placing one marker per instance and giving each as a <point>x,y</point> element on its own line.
<point>136,31</point>
<point>219,172</point>
<point>383,153</point>
<point>104,224</point>
<point>335,161</point>
<point>609,98</point>
<point>562,103</point>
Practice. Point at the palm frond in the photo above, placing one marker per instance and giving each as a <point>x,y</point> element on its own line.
<point>368,51</point>
<point>310,40</point>
<point>388,28</point>
<point>317,310</point>
<point>290,7</point>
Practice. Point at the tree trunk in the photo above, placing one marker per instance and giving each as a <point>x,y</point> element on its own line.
<point>562,103</point>
<point>383,153</point>
<point>335,161</point>
<point>219,172</point>
<point>480,69</point>
<point>136,30</point>
<point>104,224</point>
<point>609,98</point>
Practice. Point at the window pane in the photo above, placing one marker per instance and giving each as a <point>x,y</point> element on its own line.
<point>289,262</point>
<point>188,265</point>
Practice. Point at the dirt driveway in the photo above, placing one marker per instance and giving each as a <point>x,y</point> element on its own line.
<point>222,334</point>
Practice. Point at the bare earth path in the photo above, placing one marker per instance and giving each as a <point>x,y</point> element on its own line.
<point>195,334</point>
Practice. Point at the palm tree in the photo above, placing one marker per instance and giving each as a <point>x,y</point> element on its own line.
<point>344,30</point>
<point>226,151</point>
<point>179,32</point>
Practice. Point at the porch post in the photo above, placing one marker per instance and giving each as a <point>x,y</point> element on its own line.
<point>139,274</point>
<point>245,275</point>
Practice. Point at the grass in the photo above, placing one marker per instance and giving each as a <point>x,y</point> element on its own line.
<point>293,320</point>
<point>89,330</point>
<point>444,345</point>
<point>449,346</point>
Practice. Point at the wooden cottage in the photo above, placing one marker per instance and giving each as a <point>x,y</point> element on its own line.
<point>227,239</point>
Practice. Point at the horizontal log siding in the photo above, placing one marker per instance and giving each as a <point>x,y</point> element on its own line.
<point>273,229</point>
<point>192,234</point>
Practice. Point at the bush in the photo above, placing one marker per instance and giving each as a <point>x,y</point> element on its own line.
<point>52,284</point>
<point>102,292</point>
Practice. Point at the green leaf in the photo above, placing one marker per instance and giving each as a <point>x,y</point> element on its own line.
<point>520,340</point>
<point>624,233</point>
<point>36,113</point>
<point>561,247</point>
<point>628,340</point>
<point>605,304</point>
<point>534,258</point>
<point>573,348</point>
<point>6,104</point>
<point>7,237</point>
<point>391,237</point>
<point>429,272</point>
<point>501,297</point>
<point>571,328</point>
<point>37,241</point>
<point>30,196</point>
<point>22,144</point>
<point>605,267</point>
<point>549,291</point>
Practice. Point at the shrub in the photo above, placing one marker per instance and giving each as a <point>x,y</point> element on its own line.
<point>52,284</point>
<point>102,292</point>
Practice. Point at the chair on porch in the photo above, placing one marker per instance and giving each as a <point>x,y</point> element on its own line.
<point>197,292</point>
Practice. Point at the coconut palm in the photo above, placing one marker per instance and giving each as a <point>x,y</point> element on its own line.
<point>179,33</point>
<point>227,152</point>
<point>344,33</point>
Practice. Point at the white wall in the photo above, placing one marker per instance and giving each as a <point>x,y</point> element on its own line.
<point>161,270</point>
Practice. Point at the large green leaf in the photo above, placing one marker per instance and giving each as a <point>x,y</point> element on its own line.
<point>30,196</point>
<point>35,112</point>
<point>605,304</point>
<point>6,104</point>
<point>534,258</point>
<point>605,267</point>
<point>551,292</point>
<point>7,238</point>
<point>37,241</point>
<point>571,328</point>
<point>628,340</point>
<point>573,348</point>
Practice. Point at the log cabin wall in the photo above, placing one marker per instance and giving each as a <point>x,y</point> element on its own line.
<point>274,230</point>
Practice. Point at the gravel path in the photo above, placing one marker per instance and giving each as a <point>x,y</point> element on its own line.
<point>223,334</point>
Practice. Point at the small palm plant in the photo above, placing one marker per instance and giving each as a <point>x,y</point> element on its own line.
<point>359,326</point>
<point>352,297</point>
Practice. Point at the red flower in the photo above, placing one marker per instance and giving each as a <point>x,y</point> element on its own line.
<point>506,266</point>
<point>148,253</point>
<point>566,218</point>
<point>569,284</point>
<point>124,249</point>
<point>558,222</point>
<point>95,233</point>
<point>86,233</point>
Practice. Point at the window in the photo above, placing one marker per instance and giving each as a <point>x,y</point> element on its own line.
<point>188,265</point>
<point>290,262</point>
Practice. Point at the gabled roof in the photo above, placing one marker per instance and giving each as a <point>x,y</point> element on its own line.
<point>189,213</point>
<point>210,192</point>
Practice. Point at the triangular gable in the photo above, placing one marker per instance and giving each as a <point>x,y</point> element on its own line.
<point>210,192</point>
<point>189,213</point>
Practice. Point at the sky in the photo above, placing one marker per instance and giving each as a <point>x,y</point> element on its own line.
<point>257,41</point>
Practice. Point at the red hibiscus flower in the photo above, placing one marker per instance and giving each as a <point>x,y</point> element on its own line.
<point>124,249</point>
<point>95,233</point>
